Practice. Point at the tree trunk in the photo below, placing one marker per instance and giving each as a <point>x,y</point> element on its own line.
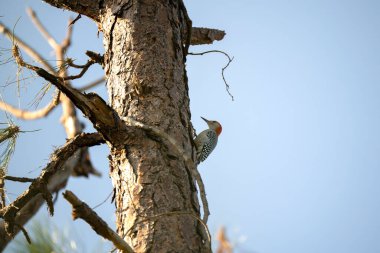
<point>145,69</point>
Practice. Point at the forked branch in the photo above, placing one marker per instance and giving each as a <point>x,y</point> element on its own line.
<point>92,105</point>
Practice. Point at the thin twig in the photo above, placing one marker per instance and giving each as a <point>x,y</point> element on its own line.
<point>84,69</point>
<point>83,211</point>
<point>75,20</point>
<point>70,62</point>
<point>67,40</point>
<point>228,63</point>
<point>104,201</point>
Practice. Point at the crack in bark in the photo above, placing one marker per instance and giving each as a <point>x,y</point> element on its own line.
<point>110,53</point>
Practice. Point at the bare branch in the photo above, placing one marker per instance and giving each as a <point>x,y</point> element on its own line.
<point>224,244</point>
<point>33,17</point>
<point>89,8</point>
<point>28,49</point>
<point>19,179</point>
<point>228,63</point>
<point>39,185</point>
<point>83,211</point>
<point>31,115</point>
<point>201,35</point>
<point>67,40</point>
<point>92,84</point>
<point>103,117</point>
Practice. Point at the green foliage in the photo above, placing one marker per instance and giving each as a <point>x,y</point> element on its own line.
<point>48,238</point>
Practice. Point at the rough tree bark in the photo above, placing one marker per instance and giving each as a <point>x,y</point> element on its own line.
<point>146,76</point>
<point>146,43</point>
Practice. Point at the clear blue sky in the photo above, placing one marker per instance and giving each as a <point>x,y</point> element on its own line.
<point>297,167</point>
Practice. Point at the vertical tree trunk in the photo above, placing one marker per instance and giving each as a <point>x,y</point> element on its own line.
<point>146,75</point>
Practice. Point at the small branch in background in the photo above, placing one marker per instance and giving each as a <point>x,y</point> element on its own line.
<point>83,211</point>
<point>31,115</point>
<point>33,17</point>
<point>224,244</point>
<point>104,201</point>
<point>66,43</point>
<point>200,35</point>
<point>228,63</point>
<point>92,84</point>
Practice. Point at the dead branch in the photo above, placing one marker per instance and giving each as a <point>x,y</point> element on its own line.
<point>84,7</point>
<point>39,185</point>
<point>228,63</point>
<point>31,115</point>
<point>201,35</point>
<point>19,179</point>
<point>72,126</point>
<point>83,211</point>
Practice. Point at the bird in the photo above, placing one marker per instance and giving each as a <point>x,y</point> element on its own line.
<point>206,141</point>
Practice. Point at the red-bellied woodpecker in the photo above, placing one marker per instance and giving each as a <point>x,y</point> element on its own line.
<point>206,141</point>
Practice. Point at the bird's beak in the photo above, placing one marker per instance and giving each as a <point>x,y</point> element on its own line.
<point>205,120</point>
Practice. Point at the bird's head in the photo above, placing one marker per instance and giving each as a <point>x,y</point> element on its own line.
<point>213,124</point>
